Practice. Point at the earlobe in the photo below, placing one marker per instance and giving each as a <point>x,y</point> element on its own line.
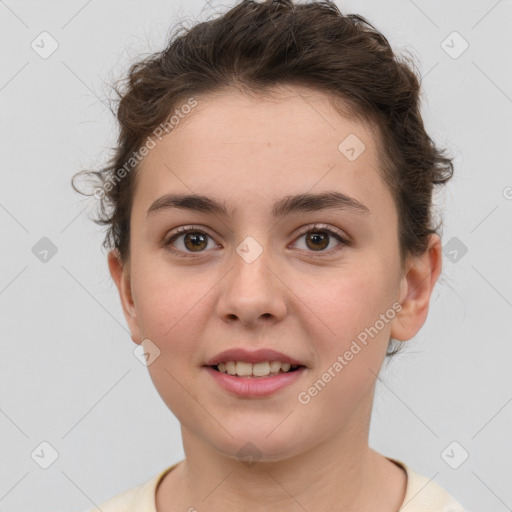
<point>120,273</point>
<point>416,289</point>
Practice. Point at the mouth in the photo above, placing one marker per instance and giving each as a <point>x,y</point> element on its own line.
<point>260,370</point>
<point>260,380</point>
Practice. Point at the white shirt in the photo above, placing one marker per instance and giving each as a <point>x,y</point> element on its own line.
<point>422,495</point>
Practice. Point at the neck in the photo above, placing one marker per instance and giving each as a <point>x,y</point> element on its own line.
<point>338,473</point>
<point>308,478</point>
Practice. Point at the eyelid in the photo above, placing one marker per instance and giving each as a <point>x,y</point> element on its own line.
<point>325,227</point>
<point>186,229</point>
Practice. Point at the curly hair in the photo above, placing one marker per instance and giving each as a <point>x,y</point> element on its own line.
<point>253,47</point>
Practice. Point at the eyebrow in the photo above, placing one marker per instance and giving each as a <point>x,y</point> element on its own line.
<point>281,208</point>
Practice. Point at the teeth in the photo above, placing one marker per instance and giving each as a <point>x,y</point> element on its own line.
<point>275,366</point>
<point>261,369</point>
<point>244,369</point>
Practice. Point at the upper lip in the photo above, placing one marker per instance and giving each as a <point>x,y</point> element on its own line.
<point>256,356</point>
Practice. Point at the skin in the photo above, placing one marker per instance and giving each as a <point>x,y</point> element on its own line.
<point>249,152</point>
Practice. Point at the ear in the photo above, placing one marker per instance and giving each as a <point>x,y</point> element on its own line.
<point>416,288</point>
<point>120,273</point>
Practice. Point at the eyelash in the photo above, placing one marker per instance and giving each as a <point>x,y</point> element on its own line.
<point>316,228</point>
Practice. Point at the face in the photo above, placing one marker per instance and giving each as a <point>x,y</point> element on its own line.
<point>308,283</point>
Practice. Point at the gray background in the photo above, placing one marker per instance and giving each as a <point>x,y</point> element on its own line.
<point>68,373</point>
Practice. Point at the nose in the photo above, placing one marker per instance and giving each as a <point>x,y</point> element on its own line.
<point>252,293</point>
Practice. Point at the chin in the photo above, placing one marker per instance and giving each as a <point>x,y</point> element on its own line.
<point>255,445</point>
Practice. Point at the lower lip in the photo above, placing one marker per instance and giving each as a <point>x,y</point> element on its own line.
<point>254,387</point>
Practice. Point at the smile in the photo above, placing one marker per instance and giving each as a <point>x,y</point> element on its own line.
<point>258,370</point>
<point>253,386</point>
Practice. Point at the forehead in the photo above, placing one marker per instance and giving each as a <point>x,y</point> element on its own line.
<point>244,147</point>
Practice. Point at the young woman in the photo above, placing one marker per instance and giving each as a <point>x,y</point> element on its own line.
<point>270,235</point>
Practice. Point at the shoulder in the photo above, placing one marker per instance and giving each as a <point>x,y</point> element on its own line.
<point>424,495</point>
<point>125,501</point>
<point>141,497</point>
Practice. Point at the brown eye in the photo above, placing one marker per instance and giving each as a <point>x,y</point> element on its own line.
<point>317,240</point>
<point>195,241</point>
<point>188,240</point>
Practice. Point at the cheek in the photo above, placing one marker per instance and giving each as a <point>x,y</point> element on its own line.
<point>352,343</point>
<point>164,298</point>
<point>170,312</point>
<point>348,305</point>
